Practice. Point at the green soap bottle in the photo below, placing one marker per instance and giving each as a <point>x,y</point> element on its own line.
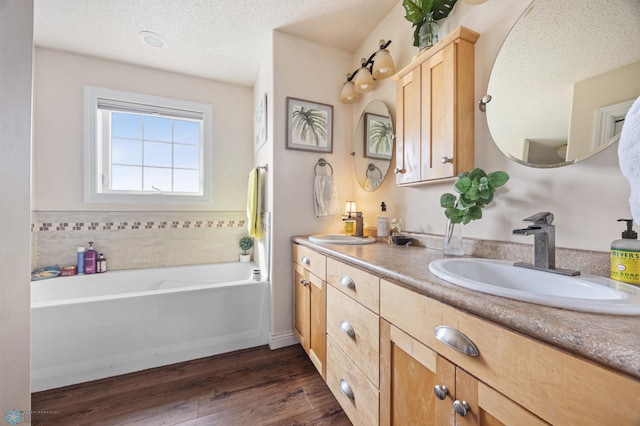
<point>625,256</point>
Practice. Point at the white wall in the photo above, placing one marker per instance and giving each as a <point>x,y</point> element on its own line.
<point>586,198</point>
<point>59,78</point>
<point>16,39</point>
<point>310,71</point>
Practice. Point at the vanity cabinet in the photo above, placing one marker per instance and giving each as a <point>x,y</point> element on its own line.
<point>411,372</point>
<point>384,360</point>
<point>353,350</point>
<point>514,379</point>
<point>435,111</point>
<point>309,278</point>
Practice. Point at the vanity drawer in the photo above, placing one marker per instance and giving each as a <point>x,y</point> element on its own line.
<point>526,370</point>
<point>357,396</point>
<point>312,261</point>
<point>357,284</point>
<point>356,330</point>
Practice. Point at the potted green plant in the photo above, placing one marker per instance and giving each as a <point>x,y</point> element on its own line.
<point>475,189</point>
<point>246,243</point>
<point>426,12</point>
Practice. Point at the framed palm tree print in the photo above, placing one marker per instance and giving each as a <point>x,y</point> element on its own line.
<point>309,126</point>
<point>378,136</point>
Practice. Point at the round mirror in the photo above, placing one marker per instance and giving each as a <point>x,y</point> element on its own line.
<point>373,145</point>
<point>564,79</point>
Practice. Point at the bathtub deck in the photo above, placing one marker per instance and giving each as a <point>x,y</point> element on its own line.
<point>249,387</point>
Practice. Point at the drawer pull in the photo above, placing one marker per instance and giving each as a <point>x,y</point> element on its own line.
<point>445,160</point>
<point>347,282</point>
<point>346,389</point>
<point>347,328</point>
<point>456,340</point>
<point>441,392</point>
<point>306,260</point>
<point>304,282</point>
<point>461,407</point>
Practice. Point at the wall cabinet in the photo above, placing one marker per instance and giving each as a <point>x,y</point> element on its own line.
<point>435,111</point>
<point>309,320</point>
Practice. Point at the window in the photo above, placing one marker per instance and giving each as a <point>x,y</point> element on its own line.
<point>146,149</point>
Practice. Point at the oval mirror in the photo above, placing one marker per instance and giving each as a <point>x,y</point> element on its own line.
<point>373,145</point>
<point>563,80</point>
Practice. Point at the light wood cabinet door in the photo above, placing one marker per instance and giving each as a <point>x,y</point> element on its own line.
<point>408,145</point>
<point>487,407</point>
<point>435,111</point>
<point>409,372</point>
<point>310,313</point>
<point>301,318</point>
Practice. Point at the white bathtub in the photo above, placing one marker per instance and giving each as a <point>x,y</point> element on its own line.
<point>88,327</point>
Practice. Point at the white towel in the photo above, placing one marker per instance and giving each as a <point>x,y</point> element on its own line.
<point>371,184</point>
<point>325,195</point>
<point>629,156</point>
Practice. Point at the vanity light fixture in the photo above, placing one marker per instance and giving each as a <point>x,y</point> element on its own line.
<point>350,208</point>
<point>152,39</point>
<point>379,66</point>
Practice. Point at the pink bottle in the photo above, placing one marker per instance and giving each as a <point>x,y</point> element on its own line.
<point>90,259</point>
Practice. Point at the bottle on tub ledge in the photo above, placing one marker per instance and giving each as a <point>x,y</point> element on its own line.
<point>101,264</point>
<point>90,259</point>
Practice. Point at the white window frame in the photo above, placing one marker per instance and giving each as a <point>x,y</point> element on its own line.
<point>94,158</point>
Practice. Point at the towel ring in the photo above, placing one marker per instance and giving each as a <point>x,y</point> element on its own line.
<point>372,168</point>
<point>322,162</point>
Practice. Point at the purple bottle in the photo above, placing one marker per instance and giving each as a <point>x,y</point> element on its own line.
<point>90,259</point>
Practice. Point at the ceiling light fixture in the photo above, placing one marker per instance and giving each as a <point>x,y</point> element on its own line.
<point>379,66</point>
<point>152,39</point>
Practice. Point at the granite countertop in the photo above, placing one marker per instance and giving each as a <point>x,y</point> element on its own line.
<point>610,340</point>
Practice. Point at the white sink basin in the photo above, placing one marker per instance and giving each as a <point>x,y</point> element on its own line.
<point>587,293</point>
<point>340,239</point>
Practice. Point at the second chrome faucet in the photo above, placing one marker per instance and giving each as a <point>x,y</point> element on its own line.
<point>544,244</point>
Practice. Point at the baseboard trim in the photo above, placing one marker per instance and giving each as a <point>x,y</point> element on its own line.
<point>281,340</point>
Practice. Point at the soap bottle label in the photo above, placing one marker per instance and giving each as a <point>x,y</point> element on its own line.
<point>625,266</point>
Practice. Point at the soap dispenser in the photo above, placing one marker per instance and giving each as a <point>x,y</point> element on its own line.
<point>625,256</point>
<point>383,222</point>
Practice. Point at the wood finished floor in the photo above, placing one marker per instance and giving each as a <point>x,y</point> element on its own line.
<point>250,387</point>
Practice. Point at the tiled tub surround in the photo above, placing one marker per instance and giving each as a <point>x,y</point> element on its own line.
<point>131,240</point>
<point>610,340</point>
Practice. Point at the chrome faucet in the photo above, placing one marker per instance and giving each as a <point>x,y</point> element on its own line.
<point>544,244</point>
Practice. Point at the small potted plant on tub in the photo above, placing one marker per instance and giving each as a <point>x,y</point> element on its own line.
<point>246,243</point>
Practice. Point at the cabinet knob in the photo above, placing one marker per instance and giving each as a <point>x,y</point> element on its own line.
<point>456,340</point>
<point>304,282</point>
<point>306,260</point>
<point>347,328</point>
<point>399,170</point>
<point>445,160</point>
<point>461,407</point>
<point>346,389</point>
<point>441,392</point>
<point>347,282</point>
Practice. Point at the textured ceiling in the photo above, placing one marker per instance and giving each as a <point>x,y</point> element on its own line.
<point>221,40</point>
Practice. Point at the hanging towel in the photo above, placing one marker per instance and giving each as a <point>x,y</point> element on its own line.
<point>325,194</point>
<point>629,156</point>
<point>371,184</point>
<point>252,204</point>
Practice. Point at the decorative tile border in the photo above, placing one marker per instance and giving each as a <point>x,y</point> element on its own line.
<point>108,226</point>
